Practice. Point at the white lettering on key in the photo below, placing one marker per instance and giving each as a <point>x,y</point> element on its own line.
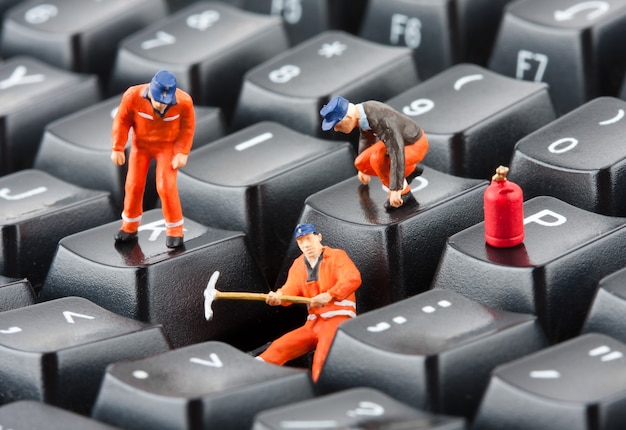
<point>598,8</point>
<point>204,20</point>
<point>254,141</point>
<point>563,145</point>
<point>41,13</point>
<point>214,362</point>
<point>411,28</point>
<point>423,183</point>
<point>334,49</point>
<point>418,107</point>
<point>157,228</point>
<point>284,74</point>
<point>69,316</point>
<point>19,77</point>
<point>365,408</point>
<point>291,10</point>
<point>467,79</point>
<point>605,353</point>
<point>11,330</point>
<point>140,374</point>
<point>162,38</point>
<point>545,374</point>
<point>523,64</point>
<point>4,193</point>
<point>616,118</point>
<point>325,424</point>
<point>540,216</point>
<point>383,326</point>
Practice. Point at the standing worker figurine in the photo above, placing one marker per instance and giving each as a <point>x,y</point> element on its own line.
<point>162,120</point>
<point>330,278</point>
<point>390,144</point>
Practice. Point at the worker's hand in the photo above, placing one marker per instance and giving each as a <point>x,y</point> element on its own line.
<point>364,178</point>
<point>321,300</point>
<point>273,298</point>
<point>179,160</point>
<point>395,199</point>
<point>118,157</point>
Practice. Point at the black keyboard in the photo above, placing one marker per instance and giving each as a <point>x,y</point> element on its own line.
<point>453,330</point>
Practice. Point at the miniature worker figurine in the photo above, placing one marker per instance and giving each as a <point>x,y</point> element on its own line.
<point>390,144</point>
<point>330,278</point>
<point>162,120</point>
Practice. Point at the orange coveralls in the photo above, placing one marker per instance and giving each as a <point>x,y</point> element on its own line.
<point>338,276</point>
<point>153,136</point>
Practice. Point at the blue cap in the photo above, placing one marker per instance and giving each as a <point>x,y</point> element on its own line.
<point>304,229</point>
<point>163,87</point>
<point>333,112</point>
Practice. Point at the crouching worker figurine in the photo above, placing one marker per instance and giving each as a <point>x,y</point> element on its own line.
<point>330,278</point>
<point>390,144</point>
<point>162,121</point>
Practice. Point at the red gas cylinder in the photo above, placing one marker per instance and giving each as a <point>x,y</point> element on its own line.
<point>504,212</point>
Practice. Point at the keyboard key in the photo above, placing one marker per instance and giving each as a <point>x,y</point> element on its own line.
<point>578,384</point>
<point>578,158</point>
<point>574,46</point>
<point>77,35</point>
<point>433,351</point>
<point>58,93</point>
<point>57,351</point>
<point>31,414</point>
<point>77,149</point>
<point>260,177</point>
<point>440,33</point>
<point>358,408</point>
<point>553,274</point>
<point>210,72</point>
<point>473,117</point>
<point>396,251</point>
<point>15,293</point>
<point>609,302</point>
<point>209,384</point>
<point>291,88</point>
<point>147,281</point>
<point>36,210</point>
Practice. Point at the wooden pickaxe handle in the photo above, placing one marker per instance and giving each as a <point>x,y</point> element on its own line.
<point>258,296</point>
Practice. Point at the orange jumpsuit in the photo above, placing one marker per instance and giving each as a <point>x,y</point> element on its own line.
<point>390,147</point>
<point>153,136</point>
<point>336,275</point>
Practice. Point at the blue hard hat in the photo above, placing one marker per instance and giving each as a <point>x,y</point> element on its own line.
<point>163,87</point>
<point>333,112</point>
<point>304,229</point>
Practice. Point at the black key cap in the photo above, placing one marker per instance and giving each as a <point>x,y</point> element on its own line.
<point>579,384</point>
<point>575,46</point>
<point>30,414</point>
<point>433,351</point>
<point>147,281</point>
<point>552,274</point>
<point>440,33</point>
<point>578,158</point>
<point>473,117</point>
<point>291,88</point>
<point>77,149</point>
<point>15,293</point>
<point>36,210</point>
<point>209,45</point>
<point>396,251</point>
<point>260,177</point>
<point>206,385</point>
<point>57,351</point>
<point>607,309</point>
<point>77,35</point>
<point>359,408</point>
<point>57,93</point>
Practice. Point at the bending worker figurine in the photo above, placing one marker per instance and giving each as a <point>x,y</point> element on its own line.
<point>390,144</point>
<point>330,278</point>
<point>162,120</point>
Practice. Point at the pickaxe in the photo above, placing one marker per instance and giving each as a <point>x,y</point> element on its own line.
<point>211,294</point>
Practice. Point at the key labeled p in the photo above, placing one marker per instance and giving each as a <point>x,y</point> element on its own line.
<point>546,218</point>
